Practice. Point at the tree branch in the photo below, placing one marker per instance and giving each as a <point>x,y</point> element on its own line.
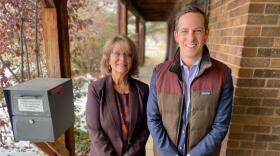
<point>36,40</point>
<point>21,47</point>
<point>26,56</point>
<point>11,71</point>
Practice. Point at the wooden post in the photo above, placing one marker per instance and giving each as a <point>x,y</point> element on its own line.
<point>137,39</point>
<point>169,40</point>
<point>142,40</point>
<point>56,39</point>
<point>63,37</point>
<point>50,35</point>
<point>140,27</point>
<point>171,43</point>
<point>124,18</point>
<point>65,64</point>
<point>118,16</point>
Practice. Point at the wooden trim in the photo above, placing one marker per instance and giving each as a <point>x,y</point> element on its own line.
<point>58,148</point>
<point>45,148</point>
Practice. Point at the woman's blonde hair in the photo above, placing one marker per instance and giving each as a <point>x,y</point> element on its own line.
<point>108,49</point>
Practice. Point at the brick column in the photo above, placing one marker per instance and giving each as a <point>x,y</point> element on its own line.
<point>245,34</point>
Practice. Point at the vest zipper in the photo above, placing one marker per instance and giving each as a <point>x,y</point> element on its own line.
<point>189,115</point>
<point>189,125</point>
<point>180,116</point>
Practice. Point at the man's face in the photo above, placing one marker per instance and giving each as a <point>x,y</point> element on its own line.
<point>191,36</point>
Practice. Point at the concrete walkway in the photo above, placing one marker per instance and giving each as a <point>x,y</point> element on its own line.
<point>145,76</point>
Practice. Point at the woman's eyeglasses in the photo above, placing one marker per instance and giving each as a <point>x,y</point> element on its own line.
<point>125,54</point>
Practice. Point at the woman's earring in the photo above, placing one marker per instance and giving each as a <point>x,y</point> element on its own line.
<point>109,68</point>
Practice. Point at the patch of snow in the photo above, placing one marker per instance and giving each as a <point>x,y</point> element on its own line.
<point>88,77</point>
<point>18,153</point>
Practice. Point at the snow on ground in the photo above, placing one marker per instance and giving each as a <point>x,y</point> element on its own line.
<point>18,153</point>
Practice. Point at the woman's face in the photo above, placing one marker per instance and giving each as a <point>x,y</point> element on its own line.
<point>120,59</point>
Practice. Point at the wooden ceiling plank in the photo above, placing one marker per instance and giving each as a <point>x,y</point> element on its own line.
<point>133,10</point>
<point>153,10</point>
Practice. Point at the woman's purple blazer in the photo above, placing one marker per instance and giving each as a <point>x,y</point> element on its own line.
<point>103,120</point>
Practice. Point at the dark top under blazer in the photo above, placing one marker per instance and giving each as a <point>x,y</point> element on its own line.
<point>103,120</point>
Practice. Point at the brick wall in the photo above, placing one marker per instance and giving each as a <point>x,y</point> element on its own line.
<point>245,34</point>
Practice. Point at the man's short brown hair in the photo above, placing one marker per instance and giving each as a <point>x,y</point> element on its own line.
<point>190,8</point>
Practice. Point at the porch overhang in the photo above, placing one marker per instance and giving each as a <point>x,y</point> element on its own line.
<point>152,10</point>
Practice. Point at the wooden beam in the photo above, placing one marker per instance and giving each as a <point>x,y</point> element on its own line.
<point>140,39</point>
<point>118,16</point>
<point>70,140</point>
<point>57,49</point>
<point>137,39</point>
<point>65,64</point>
<point>45,148</point>
<point>124,18</point>
<point>142,31</point>
<point>131,7</point>
<point>50,35</point>
<point>59,149</point>
<point>63,38</point>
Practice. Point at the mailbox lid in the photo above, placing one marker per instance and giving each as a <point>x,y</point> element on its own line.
<point>31,97</point>
<point>33,128</point>
<point>39,84</point>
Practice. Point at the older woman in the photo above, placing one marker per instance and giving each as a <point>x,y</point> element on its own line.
<point>116,105</point>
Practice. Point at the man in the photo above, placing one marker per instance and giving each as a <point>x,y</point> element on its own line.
<point>189,105</point>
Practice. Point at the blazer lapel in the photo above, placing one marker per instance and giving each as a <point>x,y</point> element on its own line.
<point>112,105</point>
<point>133,105</point>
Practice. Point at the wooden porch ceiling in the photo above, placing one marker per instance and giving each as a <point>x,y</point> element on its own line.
<point>154,10</point>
